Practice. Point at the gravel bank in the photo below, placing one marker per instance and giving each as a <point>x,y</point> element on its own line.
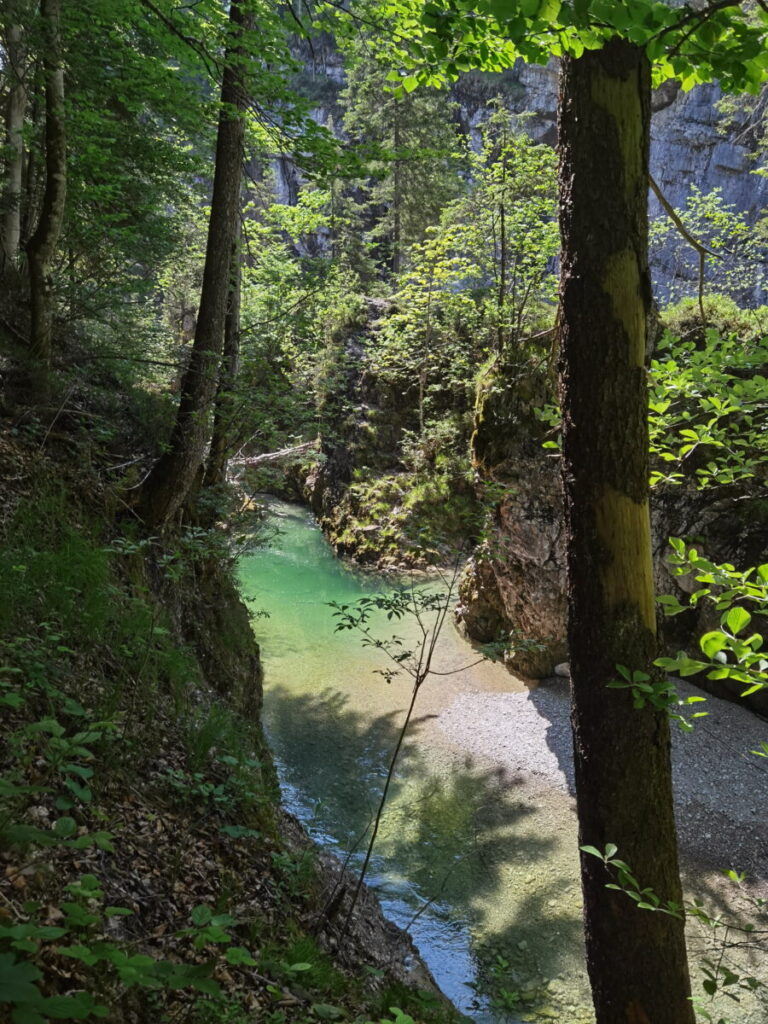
<point>721,790</point>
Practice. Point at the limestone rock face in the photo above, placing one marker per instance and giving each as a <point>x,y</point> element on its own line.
<point>514,587</point>
<point>328,480</point>
<point>692,142</point>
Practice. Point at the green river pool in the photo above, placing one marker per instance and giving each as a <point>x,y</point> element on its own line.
<point>481,867</point>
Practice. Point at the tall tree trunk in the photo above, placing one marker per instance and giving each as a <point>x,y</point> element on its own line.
<point>502,293</point>
<point>14,141</point>
<point>636,959</point>
<point>216,466</point>
<point>42,245</point>
<point>397,193</point>
<point>176,471</point>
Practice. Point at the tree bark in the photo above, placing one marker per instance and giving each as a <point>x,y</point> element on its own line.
<point>636,958</point>
<point>14,126</point>
<point>216,466</point>
<point>42,245</point>
<point>397,193</point>
<point>175,473</point>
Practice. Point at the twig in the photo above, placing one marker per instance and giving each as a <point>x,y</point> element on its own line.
<point>419,673</point>
<point>701,249</point>
<point>55,418</point>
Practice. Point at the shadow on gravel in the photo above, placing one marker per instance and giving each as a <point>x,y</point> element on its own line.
<point>552,701</point>
<point>456,846</point>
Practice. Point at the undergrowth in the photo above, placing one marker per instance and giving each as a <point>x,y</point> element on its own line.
<point>144,876</point>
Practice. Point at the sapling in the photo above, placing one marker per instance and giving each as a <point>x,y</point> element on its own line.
<point>429,610</point>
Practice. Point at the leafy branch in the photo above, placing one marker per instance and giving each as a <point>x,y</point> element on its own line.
<point>731,651</point>
<point>428,609</point>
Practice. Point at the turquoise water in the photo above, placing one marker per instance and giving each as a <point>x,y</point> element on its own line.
<point>462,849</point>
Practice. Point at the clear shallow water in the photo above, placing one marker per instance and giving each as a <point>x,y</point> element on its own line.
<point>486,862</point>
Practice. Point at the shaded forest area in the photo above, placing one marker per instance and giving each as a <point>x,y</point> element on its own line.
<point>323,252</point>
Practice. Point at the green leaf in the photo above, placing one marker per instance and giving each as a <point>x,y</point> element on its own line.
<point>78,952</point>
<point>713,642</point>
<point>236,955</point>
<point>201,915</point>
<point>549,10</point>
<point>239,832</point>
<point>49,725</point>
<point>592,851</point>
<point>65,827</point>
<point>223,920</point>
<point>72,1007</point>
<point>22,835</point>
<point>737,619</point>
<point>16,980</point>
<point>324,1011</point>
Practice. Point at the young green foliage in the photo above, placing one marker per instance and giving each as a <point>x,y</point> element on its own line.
<point>735,650</point>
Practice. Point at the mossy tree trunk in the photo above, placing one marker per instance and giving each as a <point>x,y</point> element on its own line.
<point>636,959</point>
<point>16,106</point>
<point>178,471</point>
<point>42,245</point>
<point>221,436</point>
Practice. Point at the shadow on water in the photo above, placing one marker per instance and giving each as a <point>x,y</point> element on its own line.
<point>335,756</point>
<point>477,864</point>
<point>452,845</point>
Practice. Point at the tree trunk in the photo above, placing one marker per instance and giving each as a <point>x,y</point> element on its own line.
<point>176,471</point>
<point>636,958</point>
<point>502,293</point>
<point>216,466</point>
<point>42,245</point>
<point>397,193</point>
<point>14,141</point>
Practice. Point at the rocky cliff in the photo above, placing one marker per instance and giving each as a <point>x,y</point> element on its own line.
<point>694,140</point>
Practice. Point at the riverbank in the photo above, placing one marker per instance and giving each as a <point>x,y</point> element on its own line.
<point>147,870</point>
<point>720,787</point>
<point>720,793</point>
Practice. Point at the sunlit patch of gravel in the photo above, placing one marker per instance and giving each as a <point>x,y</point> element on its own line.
<point>721,789</point>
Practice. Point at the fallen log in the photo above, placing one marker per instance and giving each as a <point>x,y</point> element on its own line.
<point>283,453</point>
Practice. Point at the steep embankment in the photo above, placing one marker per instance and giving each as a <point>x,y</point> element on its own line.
<point>148,872</point>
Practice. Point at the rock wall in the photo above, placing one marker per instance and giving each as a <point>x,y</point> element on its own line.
<point>513,588</point>
<point>515,585</point>
<point>692,141</point>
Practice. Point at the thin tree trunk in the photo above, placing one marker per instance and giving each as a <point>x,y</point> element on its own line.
<point>216,467</point>
<point>502,294</point>
<point>42,245</point>
<point>32,185</point>
<point>14,141</point>
<point>176,471</point>
<point>636,959</point>
<point>397,195</point>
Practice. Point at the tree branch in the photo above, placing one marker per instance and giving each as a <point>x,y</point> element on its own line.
<point>701,249</point>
